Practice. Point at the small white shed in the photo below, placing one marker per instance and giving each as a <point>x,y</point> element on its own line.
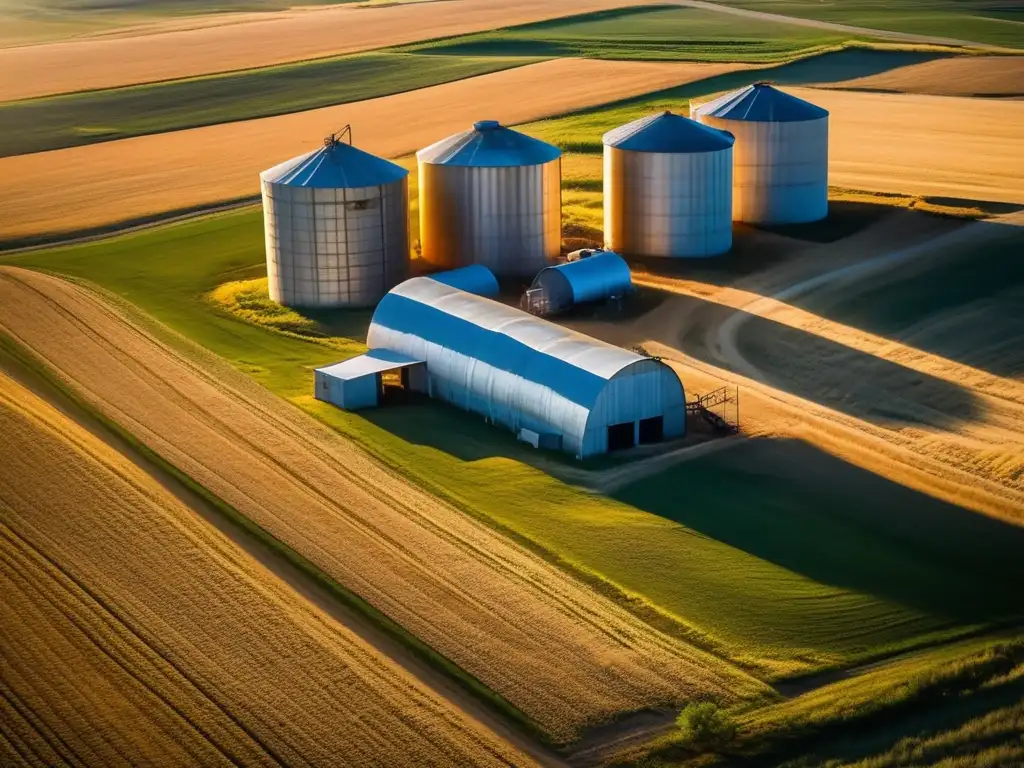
<point>364,381</point>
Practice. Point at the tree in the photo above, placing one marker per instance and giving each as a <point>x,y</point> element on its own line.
<point>704,726</point>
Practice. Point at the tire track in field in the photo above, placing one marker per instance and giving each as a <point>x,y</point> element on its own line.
<point>565,656</point>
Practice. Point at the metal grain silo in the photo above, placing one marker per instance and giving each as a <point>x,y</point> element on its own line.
<point>668,188</point>
<point>490,196</point>
<point>337,227</point>
<point>780,174</point>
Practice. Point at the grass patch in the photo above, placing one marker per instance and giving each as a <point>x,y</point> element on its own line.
<point>650,33</point>
<point>978,21</point>
<point>54,122</point>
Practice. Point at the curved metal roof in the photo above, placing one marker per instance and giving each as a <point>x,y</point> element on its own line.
<point>762,103</point>
<point>568,363</point>
<point>668,133</point>
<point>336,165</point>
<point>592,278</point>
<point>476,278</point>
<point>488,144</point>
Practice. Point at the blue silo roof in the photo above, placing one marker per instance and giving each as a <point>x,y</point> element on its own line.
<point>575,366</point>
<point>489,144</point>
<point>335,166</point>
<point>668,133</point>
<point>476,278</point>
<point>762,103</point>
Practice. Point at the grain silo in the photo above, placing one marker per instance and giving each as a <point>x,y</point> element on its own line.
<point>337,227</point>
<point>490,196</point>
<point>780,175</point>
<point>668,188</point>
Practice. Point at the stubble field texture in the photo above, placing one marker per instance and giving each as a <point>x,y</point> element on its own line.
<point>132,631</point>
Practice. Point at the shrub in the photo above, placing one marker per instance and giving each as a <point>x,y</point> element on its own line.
<point>704,726</point>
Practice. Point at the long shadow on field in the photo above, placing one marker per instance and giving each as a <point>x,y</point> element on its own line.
<point>967,305</point>
<point>812,367</point>
<point>789,503</point>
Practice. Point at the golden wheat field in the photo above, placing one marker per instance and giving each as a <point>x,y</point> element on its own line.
<point>562,654</point>
<point>101,184</point>
<point>955,76</point>
<point>132,631</point>
<point>167,52</point>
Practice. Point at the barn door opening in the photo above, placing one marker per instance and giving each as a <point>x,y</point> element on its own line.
<point>394,386</point>
<point>652,430</point>
<point>620,436</point>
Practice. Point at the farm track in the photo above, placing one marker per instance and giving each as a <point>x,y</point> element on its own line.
<point>131,631</point>
<point>566,657</point>
<point>259,40</point>
<point>968,458</point>
<point>68,190</point>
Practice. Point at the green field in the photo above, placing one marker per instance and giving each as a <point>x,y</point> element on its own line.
<point>653,33</point>
<point>36,125</point>
<point>993,22</point>
<point>770,571</point>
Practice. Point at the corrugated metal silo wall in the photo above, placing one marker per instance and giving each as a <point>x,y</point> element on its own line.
<point>780,171</point>
<point>335,247</point>
<point>644,390</point>
<point>508,219</point>
<point>669,205</point>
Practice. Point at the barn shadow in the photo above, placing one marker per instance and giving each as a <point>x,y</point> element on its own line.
<point>787,502</point>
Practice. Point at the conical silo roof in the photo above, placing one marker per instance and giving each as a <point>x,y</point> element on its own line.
<point>667,133</point>
<point>488,144</point>
<point>336,165</point>
<point>762,103</point>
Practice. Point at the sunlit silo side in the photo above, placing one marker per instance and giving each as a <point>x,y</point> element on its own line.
<point>780,173</point>
<point>668,188</point>
<point>490,196</point>
<point>337,227</point>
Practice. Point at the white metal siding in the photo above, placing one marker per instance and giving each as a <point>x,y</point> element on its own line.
<point>350,394</point>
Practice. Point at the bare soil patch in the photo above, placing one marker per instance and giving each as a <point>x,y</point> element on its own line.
<point>229,42</point>
<point>972,149</point>
<point>71,189</point>
<point>133,631</point>
<point>565,656</point>
<point>958,76</point>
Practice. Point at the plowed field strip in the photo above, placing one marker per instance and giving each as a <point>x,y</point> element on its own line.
<point>132,631</point>
<point>85,187</point>
<point>563,655</point>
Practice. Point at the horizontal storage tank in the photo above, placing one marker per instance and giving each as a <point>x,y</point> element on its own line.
<point>597,277</point>
<point>780,174</point>
<point>337,227</point>
<point>668,188</point>
<point>491,196</point>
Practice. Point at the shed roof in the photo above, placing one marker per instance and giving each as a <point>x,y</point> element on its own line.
<point>489,144</point>
<point>762,102</point>
<point>668,133</point>
<point>571,364</point>
<point>336,165</point>
<point>373,362</point>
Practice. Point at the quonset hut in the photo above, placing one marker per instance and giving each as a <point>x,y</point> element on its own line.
<point>551,386</point>
<point>780,173</point>
<point>599,276</point>
<point>337,227</point>
<point>490,196</point>
<point>668,188</point>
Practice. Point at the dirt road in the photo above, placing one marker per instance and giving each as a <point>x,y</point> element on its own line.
<point>69,189</point>
<point>926,421</point>
<point>560,653</point>
<point>132,631</point>
<point>188,48</point>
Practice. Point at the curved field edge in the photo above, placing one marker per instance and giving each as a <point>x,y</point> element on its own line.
<point>38,369</point>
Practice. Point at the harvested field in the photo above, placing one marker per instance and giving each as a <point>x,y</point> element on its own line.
<point>972,149</point>
<point>70,189</point>
<point>258,40</point>
<point>960,76</point>
<point>556,650</point>
<point>132,631</point>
